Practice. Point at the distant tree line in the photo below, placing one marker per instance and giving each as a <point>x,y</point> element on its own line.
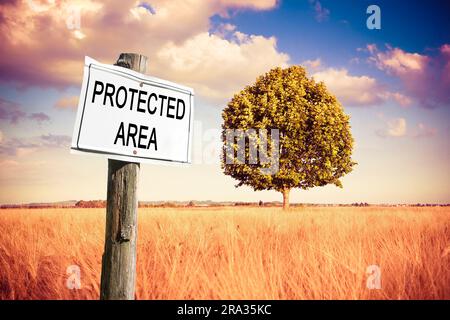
<point>91,204</point>
<point>192,204</point>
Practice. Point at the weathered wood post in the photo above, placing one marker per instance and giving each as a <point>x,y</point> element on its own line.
<point>119,258</point>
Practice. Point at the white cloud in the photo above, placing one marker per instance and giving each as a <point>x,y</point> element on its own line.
<point>397,61</point>
<point>354,90</point>
<point>394,128</point>
<point>312,65</point>
<point>398,127</point>
<point>217,67</point>
<point>251,4</point>
<point>175,35</point>
<point>357,90</point>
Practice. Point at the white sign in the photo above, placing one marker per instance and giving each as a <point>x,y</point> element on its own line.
<point>132,117</point>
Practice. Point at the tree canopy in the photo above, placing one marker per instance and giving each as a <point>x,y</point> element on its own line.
<point>315,141</point>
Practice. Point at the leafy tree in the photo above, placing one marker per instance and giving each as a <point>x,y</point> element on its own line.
<point>315,142</point>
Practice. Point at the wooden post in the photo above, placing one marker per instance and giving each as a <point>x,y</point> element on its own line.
<point>119,258</point>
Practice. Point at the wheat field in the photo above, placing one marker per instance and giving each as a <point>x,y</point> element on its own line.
<point>235,253</point>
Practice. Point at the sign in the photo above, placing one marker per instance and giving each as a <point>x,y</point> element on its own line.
<point>128,116</point>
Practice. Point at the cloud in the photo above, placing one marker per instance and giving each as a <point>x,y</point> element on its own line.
<point>17,147</point>
<point>357,90</point>
<point>393,128</point>
<point>424,131</point>
<point>24,146</point>
<point>401,99</point>
<point>248,4</point>
<point>45,48</point>
<point>397,127</point>
<point>397,61</point>
<point>39,117</point>
<point>321,13</point>
<point>424,77</point>
<point>217,67</point>
<point>312,65</point>
<point>67,103</point>
<point>13,113</point>
<point>55,140</point>
<point>224,30</point>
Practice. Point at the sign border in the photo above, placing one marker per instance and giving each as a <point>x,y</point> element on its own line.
<point>89,62</point>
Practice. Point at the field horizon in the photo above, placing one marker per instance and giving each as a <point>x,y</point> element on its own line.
<point>101,203</point>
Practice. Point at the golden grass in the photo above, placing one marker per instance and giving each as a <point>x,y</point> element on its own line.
<point>235,253</point>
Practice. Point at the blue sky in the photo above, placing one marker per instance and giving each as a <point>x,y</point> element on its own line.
<point>411,25</point>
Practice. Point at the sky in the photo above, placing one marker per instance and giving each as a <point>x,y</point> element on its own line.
<point>394,82</point>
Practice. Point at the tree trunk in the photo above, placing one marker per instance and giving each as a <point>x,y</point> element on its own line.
<point>286,198</point>
<point>119,258</point>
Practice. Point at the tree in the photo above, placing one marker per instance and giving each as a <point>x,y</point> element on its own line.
<point>315,142</point>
